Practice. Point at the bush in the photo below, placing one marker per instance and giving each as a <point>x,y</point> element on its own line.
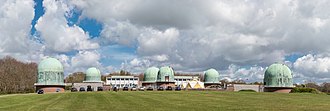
<point>68,87</point>
<point>246,90</point>
<point>304,90</point>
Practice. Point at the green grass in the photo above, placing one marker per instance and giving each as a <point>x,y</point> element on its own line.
<point>180,100</point>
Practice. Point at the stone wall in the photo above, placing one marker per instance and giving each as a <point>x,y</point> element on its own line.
<point>257,88</point>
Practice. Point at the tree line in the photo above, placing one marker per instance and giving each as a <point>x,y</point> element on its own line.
<point>324,87</point>
<point>16,76</point>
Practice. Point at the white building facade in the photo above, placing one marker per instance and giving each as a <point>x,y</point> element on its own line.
<point>122,81</point>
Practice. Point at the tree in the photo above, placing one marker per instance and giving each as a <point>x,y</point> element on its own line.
<point>77,77</point>
<point>312,85</point>
<point>16,76</point>
<point>325,87</point>
<point>257,83</point>
<point>238,81</point>
<point>141,76</point>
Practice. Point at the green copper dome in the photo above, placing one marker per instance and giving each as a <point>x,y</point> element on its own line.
<point>50,72</point>
<point>166,74</point>
<point>211,76</point>
<point>93,75</point>
<point>278,75</point>
<point>150,75</point>
<point>50,64</point>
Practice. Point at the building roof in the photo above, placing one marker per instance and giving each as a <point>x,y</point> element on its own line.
<point>185,77</point>
<point>123,77</point>
<point>278,75</point>
<point>211,76</point>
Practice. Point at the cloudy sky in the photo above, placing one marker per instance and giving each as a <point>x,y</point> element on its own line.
<point>238,38</point>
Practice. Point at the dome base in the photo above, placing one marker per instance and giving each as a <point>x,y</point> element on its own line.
<point>278,89</point>
<point>50,88</point>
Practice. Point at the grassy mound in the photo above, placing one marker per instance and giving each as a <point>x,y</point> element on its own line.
<point>164,100</point>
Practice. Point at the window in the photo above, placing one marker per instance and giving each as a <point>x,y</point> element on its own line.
<point>118,79</point>
<point>131,79</point>
<point>113,79</point>
<point>122,79</point>
<point>126,79</point>
<point>167,78</point>
<point>109,78</point>
<point>135,79</point>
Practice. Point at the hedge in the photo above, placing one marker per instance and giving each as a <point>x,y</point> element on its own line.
<point>304,90</point>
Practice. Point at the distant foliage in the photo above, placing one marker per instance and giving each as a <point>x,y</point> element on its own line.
<point>324,87</point>
<point>304,90</point>
<point>77,77</point>
<point>16,76</point>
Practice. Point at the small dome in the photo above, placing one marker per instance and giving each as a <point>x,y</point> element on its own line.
<point>93,75</point>
<point>211,76</point>
<point>150,75</point>
<point>278,75</point>
<point>166,74</point>
<point>50,72</point>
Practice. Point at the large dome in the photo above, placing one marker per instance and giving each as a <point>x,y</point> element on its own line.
<point>50,64</point>
<point>166,74</point>
<point>150,75</point>
<point>211,76</point>
<point>278,75</point>
<point>93,75</point>
<point>50,72</point>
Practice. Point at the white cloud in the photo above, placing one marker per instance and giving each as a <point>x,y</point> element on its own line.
<point>155,42</point>
<point>85,59</point>
<point>57,34</point>
<point>159,58</point>
<point>248,74</point>
<point>188,35</point>
<point>15,25</point>
<point>120,32</point>
<point>136,65</point>
<point>313,66</point>
<point>213,33</point>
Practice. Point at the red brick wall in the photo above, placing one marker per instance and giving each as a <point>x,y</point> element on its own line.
<point>283,90</point>
<point>279,90</point>
<point>51,89</point>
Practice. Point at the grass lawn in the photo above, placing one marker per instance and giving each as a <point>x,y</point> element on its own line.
<point>167,100</point>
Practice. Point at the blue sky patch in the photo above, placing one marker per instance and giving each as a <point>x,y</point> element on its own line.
<point>116,54</point>
<point>38,12</point>
<point>293,57</point>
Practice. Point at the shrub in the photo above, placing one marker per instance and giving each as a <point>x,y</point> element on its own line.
<point>246,90</point>
<point>304,90</point>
